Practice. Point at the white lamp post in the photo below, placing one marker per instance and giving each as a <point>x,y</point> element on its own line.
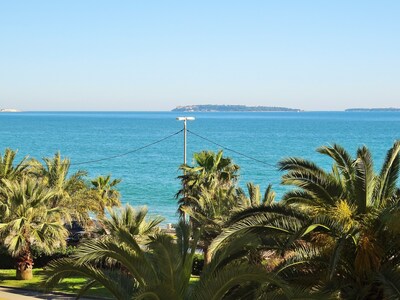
<point>184,119</point>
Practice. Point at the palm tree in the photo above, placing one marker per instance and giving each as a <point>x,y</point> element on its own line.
<point>214,207</point>
<point>209,212</point>
<point>54,174</point>
<point>211,170</point>
<point>136,258</point>
<point>254,198</point>
<point>29,221</point>
<point>272,229</point>
<point>7,168</point>
<point>72,192</point>
<point>357,211</point>
<point>337,233</point>
<point>136,264</point>
<point>108,195</point>
<point>208,194</point>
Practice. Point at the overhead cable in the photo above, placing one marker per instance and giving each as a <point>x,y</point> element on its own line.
<point>117,155</point>
<point>232,150</point>
<point>128,152</point>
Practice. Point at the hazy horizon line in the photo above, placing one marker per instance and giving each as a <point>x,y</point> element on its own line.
<point>300,110</point>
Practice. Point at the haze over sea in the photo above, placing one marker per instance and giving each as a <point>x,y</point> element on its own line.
<point>149,175</point>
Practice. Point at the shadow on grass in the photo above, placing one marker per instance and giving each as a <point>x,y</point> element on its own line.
<point>68,285</point>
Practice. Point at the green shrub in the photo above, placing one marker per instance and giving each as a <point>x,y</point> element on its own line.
<point>41,259</point>
<point>198,264</point>
<point>6,261</point>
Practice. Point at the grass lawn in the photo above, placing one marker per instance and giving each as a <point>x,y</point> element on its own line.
<point>70,285</point>
<point>194,279</point>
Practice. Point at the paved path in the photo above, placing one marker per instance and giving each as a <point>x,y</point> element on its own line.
<point>20,294</point>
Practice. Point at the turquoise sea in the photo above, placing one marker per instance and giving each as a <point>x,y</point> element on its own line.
<point>149,175</point>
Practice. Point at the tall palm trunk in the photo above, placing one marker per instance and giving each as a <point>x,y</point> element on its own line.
<point>25,265</point>
<point>207,254</point>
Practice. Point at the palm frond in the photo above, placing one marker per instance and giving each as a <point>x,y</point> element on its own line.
<point>115,282</point>
<point>292,164</point>
<point>269,196</point>
<point>320,185</point>
<point>389,278</point>
<point>234,276</point>
<point>389,174</point>
<point>302,197</point>
<point>365,180</point>
<point>273,221</point>
<point>134,261</point>
<point>342,158</point>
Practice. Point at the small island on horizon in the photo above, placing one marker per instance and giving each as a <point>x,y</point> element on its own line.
<point>9,110</point>
<point>233,108</point>
<point>373,109</point>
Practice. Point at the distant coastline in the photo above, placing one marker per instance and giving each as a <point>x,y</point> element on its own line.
<point>13,110</point>
<point>232,108</point>
<point>373,109</point>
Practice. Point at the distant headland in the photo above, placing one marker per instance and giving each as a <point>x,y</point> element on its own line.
<point>374,109</point>
<point>9,110</point>
<point>232,108</point>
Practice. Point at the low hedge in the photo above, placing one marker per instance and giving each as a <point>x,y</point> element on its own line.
<point>198,264</point>
<point>40,259</point>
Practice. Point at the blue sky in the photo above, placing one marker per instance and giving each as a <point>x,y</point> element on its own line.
<point>155,55</point>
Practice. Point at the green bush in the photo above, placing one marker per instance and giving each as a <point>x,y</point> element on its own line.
<point>6,261</point>
<point>198,264</point>
<point>40,258</point>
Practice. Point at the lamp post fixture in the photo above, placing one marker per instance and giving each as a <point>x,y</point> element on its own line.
<point>184,119</point>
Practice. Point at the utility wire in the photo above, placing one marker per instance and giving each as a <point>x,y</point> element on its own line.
<point>118,155</point>
<point>231,150</point>
<point>163,139</point>
<point>128,152</point>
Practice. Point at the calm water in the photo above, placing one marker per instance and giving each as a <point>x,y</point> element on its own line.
<point>149,175</point>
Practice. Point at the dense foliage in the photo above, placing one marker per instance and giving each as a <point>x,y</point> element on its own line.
<point>38,200</point>
<point>334,235</point>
